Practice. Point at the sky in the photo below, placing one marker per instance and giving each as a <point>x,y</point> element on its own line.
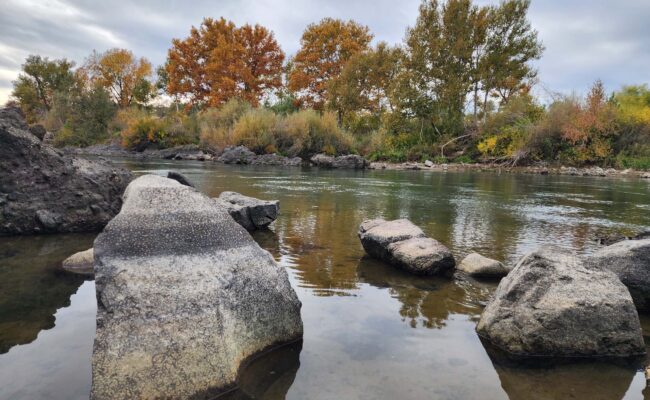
<point>585,40</point>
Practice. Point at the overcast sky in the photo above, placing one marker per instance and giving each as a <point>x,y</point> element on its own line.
<point>584,39</point>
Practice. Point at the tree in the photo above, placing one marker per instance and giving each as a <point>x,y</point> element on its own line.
<point>125,77</point>
<point>219,61</point>
<point>40,80</point>
<point>364,84</point>
<point>325,48</point>
<point>511,43</point>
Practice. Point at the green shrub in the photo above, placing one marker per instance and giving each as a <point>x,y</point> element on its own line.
<point>307,132</point>
<point>144,132</point>
<point>256,130</point>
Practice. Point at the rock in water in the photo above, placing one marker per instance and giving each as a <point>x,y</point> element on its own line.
<point>630,261</point>
<point>180,178</point>
<point>249,212</point>
<point>350,161</point>
<point>479,266</point>
<point>403,244</point>
<point>43,191</point>
<point>185,296</point>
<point>551,304</point>
<point>80,263</point>
<point>236,155</point>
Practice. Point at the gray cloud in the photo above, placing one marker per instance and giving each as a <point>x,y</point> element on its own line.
<point>584,40</point>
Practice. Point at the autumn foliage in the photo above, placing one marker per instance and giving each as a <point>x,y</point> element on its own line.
<point>324,49</point>
<point>220,61</point>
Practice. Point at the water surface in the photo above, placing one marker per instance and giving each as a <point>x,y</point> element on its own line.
<point>371,332</point>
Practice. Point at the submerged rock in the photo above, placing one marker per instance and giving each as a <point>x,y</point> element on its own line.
<point>479,266</point>
<point>80,263</point>
<point>44,191</point>
<point>249,212</point>
<point>630,261</point>
<point>404,245</point>
<point>185,296</point>
<point>551,304</point>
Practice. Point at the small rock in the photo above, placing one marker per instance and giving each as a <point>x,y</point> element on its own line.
<point>428,163</point>
<point>38,130</point>
<point>180,178</point>
<point>236,155</point>
<point>80,263</point>
<point>477,265</point>
<point>249,212</point>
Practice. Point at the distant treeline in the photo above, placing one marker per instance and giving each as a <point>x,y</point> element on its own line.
<point>459,88</point>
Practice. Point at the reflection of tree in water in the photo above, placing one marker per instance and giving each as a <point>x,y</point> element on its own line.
<point>546,379</point>
<point>32,286</point>
<point>426,301</point>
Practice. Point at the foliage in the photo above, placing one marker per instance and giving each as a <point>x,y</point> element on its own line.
<point>83,116</point>
<point>324,49</point>
<point>220,61</point>
<point>40,80</point>
<point>256,130</point>
<point>126,78</point>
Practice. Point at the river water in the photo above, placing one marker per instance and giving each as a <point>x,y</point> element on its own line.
<point>371,332</point>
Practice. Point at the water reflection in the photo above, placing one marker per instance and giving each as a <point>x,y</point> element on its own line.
<point>32,286</point>
<point>426,301</point>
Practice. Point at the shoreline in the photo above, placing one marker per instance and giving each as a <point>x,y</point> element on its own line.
<point>194,153</point>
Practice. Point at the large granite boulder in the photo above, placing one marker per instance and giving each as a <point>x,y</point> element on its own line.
<point>236,155</point>
<point>551,304</point>
<point>249,212</point>
<point>43,191</point>
<point>630,261</point>
<point>480,266</point>
<point>404,245</point>
<point>350,161</point>
<point>185,297</point>
<point>80,263</point>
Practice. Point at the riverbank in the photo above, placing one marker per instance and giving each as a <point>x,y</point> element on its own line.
<point>242,155</point>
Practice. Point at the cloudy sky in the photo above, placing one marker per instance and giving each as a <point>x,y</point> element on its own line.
<point>584,39</point>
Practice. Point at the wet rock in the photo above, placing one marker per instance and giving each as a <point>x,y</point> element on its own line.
<point>182,301</point>
<point>276,159</point>
<point>80,263</point>
<point>428,163</point>
<point>404,245</point>
<point>552,304</point>
<point>44,191</point>
<point>180,178</point>
<point>249,212</point>
<point>350,161</point>
<point>236,155</point>
<point>479,266</point>
<point>630,261</point>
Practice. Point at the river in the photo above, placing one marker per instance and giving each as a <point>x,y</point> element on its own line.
<point>371,332</point>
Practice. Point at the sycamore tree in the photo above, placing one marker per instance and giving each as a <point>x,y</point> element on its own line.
<point>124,76</point>
<point>219,61</point>
<point>38,82</point>
<point>325,48</point>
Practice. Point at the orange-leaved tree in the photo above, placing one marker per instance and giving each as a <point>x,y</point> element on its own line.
<point>126,77</point>
<point>219,61</point>
<point>325,48</point>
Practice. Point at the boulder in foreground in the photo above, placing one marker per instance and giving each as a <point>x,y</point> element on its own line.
<point>404,245</point>
<point>185,296</point>
<point>630,261</point>
<point>80,263</point>
<point>249,212</point>
<point>43,191</point>
<point>551,304</point>
<point>482,267</point>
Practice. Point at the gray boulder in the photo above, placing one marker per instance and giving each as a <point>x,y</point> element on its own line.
<point>479,266</point>
<point>249,212</point>
<point>236,155</point>
<point>80,263</point>
<point>630,261</point>
<point>350,161</point>
<point>276,159</point>
<point>404,245</point>
<point>38,130</point>
<point>185,297</point>
<point>44,191</point>
<point>551,304</point>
